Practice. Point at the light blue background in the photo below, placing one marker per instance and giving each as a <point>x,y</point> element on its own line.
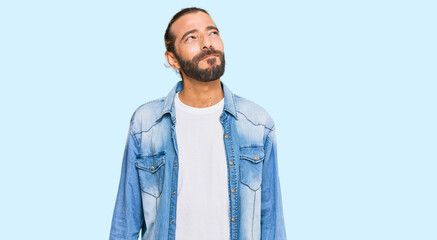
<point>351,86</point>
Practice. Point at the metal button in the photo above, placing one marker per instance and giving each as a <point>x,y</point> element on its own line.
<point>231,163</point>
<point>256,158</point>
<point>233,191</point>
<point>152,167</point>
<point>174,192</point>
<point>226,136</point>
<point>233,219</point>
<point>175,164</point>
<point>172,221</point>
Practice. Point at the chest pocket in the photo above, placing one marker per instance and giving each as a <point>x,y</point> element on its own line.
<point>151,173</point>
<point>251,164</point>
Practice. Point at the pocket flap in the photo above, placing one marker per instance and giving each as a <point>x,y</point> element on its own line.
<point>253,154</point>
<point>150,163</point>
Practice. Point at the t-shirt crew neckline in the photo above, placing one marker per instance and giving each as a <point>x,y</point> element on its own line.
<point>200,111</point>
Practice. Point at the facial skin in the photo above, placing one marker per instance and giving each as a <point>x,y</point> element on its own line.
<point>199,48</point>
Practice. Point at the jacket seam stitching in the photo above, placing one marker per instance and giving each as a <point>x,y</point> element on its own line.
<point>136,141</point>
<point>253,212</point>
<point>267,137</point>
<point>156,123</point>
<point>255,124</point>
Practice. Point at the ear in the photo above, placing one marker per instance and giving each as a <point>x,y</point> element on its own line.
<point>172,61</point>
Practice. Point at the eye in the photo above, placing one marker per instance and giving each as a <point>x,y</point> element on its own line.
<point>190,38</point>
<point>215,33</point>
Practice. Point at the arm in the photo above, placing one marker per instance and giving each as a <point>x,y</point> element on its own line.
<point>128,213</point>
<point>272,218</point>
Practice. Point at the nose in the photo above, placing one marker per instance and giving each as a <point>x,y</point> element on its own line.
<point>206,43</point>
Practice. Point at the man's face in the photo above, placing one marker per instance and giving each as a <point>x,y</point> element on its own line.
<point>198,46</point>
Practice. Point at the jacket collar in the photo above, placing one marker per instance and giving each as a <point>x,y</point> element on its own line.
<point>229,105</point>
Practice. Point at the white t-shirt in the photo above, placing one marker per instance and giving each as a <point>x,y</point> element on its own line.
<point>203,200</point>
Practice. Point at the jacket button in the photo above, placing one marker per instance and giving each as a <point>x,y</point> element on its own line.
<point>231,163</point>
<point>233,219</point>
<point>152,167</point>
<point>233,191</point>
<point>175,164</point>
<point>172,221</point>
<point>174,192</point>
<point>256,158</point>
<point>226,136</point>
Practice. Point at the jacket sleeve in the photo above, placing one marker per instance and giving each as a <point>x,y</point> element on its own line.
<point>272,218</point>
<point>128,213</point>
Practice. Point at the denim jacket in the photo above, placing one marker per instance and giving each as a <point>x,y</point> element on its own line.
<point>146,196</point>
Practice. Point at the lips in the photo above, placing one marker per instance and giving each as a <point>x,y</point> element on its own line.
<point>210,55</point>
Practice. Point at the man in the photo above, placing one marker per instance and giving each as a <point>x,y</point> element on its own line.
<point>200,163</point>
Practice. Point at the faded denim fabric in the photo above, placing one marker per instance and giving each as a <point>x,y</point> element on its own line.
<point>146,196</point>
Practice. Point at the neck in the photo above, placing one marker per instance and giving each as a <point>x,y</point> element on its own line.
<point>201,94</point>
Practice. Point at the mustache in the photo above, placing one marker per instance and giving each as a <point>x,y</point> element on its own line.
<point>204,53</point>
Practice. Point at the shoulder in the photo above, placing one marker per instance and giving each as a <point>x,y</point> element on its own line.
<point>253,113</point>
<point>146,115</point>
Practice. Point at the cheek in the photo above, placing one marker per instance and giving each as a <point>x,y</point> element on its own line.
<point>187,52</point>
<point>219,43</point>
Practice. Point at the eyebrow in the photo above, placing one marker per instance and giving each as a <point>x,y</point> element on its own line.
<point>195,30</point>
<point>212,27</point>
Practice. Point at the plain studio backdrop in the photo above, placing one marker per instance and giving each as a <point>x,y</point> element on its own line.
<point>351,86</point>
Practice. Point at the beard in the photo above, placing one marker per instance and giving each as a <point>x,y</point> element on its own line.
<point>211,73</point>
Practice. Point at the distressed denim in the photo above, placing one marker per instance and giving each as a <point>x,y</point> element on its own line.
<point>146,198</point>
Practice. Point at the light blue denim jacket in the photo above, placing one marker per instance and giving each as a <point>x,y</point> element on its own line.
<point>146,196</point>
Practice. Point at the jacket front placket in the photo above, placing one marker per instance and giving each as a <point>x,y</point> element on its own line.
<point>231,148</point>
<point>174,180</point>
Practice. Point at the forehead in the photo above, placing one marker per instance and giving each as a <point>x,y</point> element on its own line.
<point>191,21</point>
